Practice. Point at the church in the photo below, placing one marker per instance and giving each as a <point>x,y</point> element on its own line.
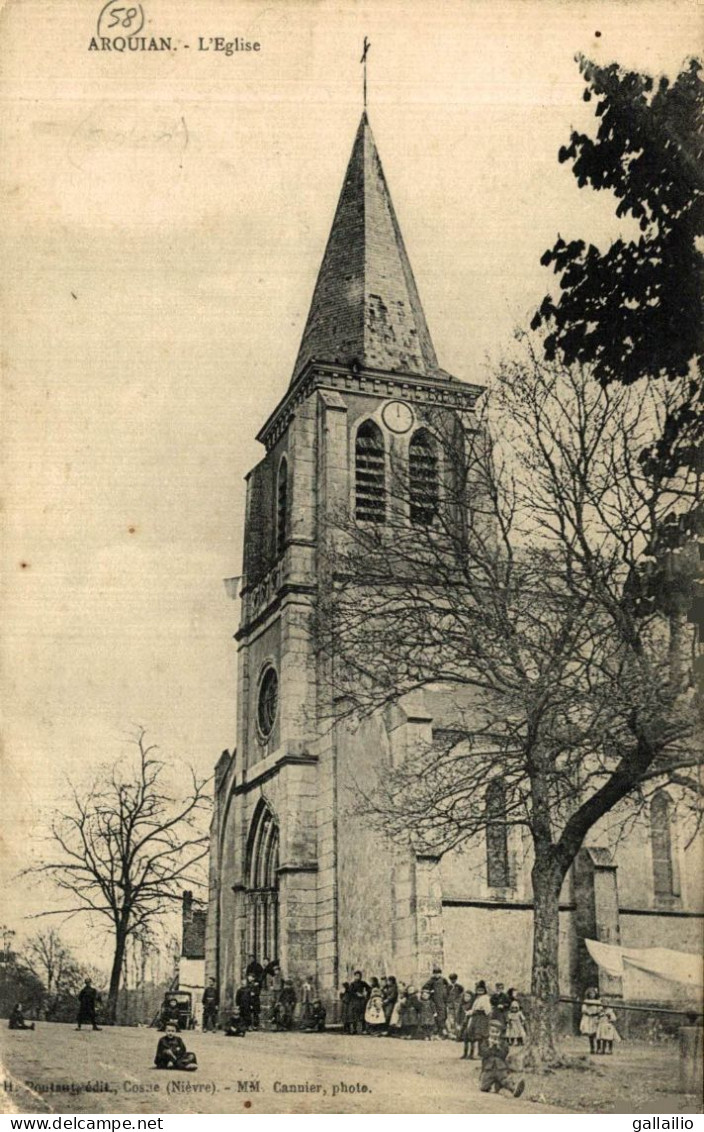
<point>295,873</point>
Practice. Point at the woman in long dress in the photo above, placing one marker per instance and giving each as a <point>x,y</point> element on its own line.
<point>389,997</point>
<point>478,1028</point>
<point>462,1017</point>
<point>346,1009</point>
<point>410,1013</point>
<point>396,1019</point>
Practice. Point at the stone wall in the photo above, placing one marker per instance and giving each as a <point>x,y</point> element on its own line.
<point>495,944</point>
<point>364,859</point>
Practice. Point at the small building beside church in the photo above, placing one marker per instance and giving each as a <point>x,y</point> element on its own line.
<point>296,874</point>
<point>191,961</point>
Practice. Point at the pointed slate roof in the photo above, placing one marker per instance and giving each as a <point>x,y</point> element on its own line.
<point>365,305</point>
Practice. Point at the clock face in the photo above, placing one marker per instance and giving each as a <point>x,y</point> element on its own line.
<point>397,416</point>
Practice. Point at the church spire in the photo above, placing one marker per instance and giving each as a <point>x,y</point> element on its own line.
<point>365,306</point>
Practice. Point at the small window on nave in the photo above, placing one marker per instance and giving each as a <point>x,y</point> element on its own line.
<point>665,872</point>
<point>370,474</point>
<point>497,867</point>
<point>423,478</point>
<point>282,508</point>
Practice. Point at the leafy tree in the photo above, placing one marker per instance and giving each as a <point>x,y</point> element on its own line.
<point>123,849</point>
<point>637,309</point>
<point>19,984</point>
<point>504,572</point>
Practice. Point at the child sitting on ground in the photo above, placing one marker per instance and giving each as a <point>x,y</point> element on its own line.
<point>17,1020</point>
<point>171,1053</point>
<point>495,1071</point>
<point>236,1027</point>
<point>316,1017</point>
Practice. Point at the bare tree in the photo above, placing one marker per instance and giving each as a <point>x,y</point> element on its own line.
<point>48,957</point>
<point>125,846</point>
<point>510,568</point>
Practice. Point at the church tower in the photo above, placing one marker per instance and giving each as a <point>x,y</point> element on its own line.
<point>294,875</point>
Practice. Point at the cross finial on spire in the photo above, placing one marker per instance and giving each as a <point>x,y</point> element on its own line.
<point>363,61</point>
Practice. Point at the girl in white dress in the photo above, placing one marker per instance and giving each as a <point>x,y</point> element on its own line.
<point>374,1011</point>
<point>606,1032</point>
<point>515,1024</point>
<point>591,1008</point>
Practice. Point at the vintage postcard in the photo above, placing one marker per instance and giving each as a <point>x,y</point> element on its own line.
<point>351,383</point>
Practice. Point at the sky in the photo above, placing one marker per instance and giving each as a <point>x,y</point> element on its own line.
<point>165,217</point>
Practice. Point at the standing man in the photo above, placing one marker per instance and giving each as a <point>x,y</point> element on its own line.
<point>211,1001</point>
<point>247,1003</point>
<point>437,985</point>
<point>453,1000</point>
<point>87,1002</point>
<point>254,970</point>
<point>358,992</point>
<point>255,989</point>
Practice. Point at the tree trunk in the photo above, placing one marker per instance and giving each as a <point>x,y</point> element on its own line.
<point>545,983</point>
<point>116,973</point>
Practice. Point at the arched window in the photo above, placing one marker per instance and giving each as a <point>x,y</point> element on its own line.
<point>370,474</point>
<point>282,508</point>
<point>665,872</point>
<point>497,871</point>
<point>424,480</point>
<point>263,885</point>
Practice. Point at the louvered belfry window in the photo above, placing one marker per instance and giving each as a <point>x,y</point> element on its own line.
<point>370,474</point>
<point>424,480</point>
<point>282,508</point>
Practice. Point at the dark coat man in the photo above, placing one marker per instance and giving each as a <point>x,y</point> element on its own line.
<point>358,993</point>
<point>247,1003</point>
<point>211,1002</point>
<point>254,970</point>
<point>87,1002</point>
<point>437,985</point>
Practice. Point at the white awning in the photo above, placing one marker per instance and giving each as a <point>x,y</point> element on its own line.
<point>676,966</point>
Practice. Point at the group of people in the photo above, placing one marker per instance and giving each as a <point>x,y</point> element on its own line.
<point>441,1008</point>
<point>287,1010</point>
<point>88,1000</point>
<point>598,1023</point>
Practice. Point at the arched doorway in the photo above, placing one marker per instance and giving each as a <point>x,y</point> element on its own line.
<point>262,894</point>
